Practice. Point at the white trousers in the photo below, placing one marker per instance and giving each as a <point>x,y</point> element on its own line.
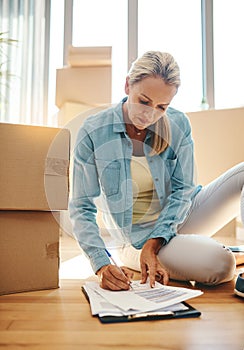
<point>192,255</point>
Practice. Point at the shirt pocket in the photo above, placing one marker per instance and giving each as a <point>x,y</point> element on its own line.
<point>109,176</point>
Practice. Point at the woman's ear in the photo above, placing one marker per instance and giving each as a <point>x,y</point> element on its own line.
<point>127,87</point>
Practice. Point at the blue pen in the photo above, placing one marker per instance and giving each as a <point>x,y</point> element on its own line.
<point>114,262</point>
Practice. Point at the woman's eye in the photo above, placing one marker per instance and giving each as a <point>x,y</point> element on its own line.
<point>162,108</point>
<point>144,102</point>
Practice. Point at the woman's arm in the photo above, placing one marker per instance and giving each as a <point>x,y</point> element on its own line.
<point>82,207</point>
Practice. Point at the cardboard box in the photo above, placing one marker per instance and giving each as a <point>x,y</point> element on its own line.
<point>29,251</point>
<point>34,163</point>
<point>92,56</point>
<point>86,85</point>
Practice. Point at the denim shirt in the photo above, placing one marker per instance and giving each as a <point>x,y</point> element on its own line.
<point>101,178</point>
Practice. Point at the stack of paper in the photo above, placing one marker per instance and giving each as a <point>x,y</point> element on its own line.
<point>140,298</point>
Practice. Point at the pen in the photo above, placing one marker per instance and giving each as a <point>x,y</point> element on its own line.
<point>115,264</point>
<point>151,314</point>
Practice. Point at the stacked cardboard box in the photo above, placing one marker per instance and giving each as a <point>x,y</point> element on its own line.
<point>34,188</point>
<point>83,88</point>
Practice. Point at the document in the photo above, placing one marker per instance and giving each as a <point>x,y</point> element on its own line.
<point>140,299</point>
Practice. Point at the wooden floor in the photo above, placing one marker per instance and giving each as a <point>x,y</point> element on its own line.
<point>60,319</point>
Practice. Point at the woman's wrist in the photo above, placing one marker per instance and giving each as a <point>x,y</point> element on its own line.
<point>100,271</point>
<point>155,244</point>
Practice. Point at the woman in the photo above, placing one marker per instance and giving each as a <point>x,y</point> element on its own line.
<point>135,163</point>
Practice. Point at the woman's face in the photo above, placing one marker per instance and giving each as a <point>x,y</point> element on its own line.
<point>148,100</point>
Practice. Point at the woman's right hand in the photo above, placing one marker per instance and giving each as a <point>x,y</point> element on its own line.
<point>112,278</point>
<point>150,267</point>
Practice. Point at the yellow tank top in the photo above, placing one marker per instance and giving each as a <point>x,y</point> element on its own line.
<point>146,206</point>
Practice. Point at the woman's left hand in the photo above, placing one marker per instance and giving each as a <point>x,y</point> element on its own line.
<point>150,266</point>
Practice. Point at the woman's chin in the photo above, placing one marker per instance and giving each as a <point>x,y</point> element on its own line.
<point>141,126</point>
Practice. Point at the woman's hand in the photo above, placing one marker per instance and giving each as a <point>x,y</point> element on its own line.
<point>112,278</point>
<point>150,266</point>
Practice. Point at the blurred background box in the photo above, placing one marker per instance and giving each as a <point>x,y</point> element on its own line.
<point>90,56</point>
<point>87,79</point>
<point>83,88</point>
<point>219,145</point>
<point>85,85</point>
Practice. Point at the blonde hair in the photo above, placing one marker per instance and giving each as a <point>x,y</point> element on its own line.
<point>163,65</point>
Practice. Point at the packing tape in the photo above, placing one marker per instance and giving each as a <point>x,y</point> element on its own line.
<point>56,166</point>
<point>52,250</point>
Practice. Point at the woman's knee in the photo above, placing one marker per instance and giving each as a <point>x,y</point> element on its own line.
<point>220,268</point>
<point>198,258</point>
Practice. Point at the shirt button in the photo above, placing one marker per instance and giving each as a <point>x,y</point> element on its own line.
<point>156,178</point>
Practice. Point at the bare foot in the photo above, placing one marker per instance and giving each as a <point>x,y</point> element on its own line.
<point>239,258</point>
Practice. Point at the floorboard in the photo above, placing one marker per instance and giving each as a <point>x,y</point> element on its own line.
<point>60,319</point>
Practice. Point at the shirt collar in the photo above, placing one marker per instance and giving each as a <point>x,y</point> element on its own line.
<point>119,124</point>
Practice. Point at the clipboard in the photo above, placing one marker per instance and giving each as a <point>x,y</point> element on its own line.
<point>190,312</point>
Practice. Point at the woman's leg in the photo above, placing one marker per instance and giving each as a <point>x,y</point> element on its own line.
<point>202,258</point>
<point>189,258</point>
<point>216,204</point>
<point>197,258</point>
<point>192,257</point>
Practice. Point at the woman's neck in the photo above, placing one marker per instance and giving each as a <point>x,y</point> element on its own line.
<point>131,129</point>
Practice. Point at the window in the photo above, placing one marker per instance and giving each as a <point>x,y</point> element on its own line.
<point>104,23</point>
<point>23,99</point>
<point>228,53</point>
<point>55,55</point>
<point>175,27</point>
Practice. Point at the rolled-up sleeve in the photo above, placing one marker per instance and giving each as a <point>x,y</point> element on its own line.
<point>82,208</point>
